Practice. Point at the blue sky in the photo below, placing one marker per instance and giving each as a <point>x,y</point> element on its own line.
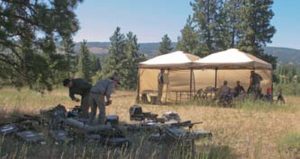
<point>151,19</point>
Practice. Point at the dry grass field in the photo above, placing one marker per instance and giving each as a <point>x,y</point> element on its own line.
<point>253,130</point>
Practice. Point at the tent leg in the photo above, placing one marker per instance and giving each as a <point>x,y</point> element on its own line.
<point>216,77</point>
<point>138,88</point>
<point>272,84</point>
<point>191,83</point>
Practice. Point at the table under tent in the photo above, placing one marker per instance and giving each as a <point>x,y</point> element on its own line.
<point>179,82</point>
<point>232,65</point>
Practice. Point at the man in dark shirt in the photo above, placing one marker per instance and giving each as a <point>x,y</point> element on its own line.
<point>80,87</point>
<point>238,89</point>
<point>254,86</point>
<point>160,84</point>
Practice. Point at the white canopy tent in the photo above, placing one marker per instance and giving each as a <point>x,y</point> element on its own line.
<point>177,59</point>
<point>234,59</point>
<point>178,76</point>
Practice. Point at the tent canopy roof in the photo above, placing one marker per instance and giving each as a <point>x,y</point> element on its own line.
<point>177,59</point>
<point>231,59</point>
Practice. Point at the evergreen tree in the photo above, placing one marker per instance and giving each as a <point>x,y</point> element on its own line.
<point>68,50</point>
<point>208,21</point>
<point>166,45</point>
<point>85,63</point>
<point>29,31</point>
<point>231,14</point>
<point>255,26</point>
<point>243,24</point>
<point>123,59</point>
<point>133,57</point>
<point>189,40</point>
<point>116,54</point>
<point>97,66</point>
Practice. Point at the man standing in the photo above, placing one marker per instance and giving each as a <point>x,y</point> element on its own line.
<point>160,84</point>
<point>100,97</point>
<point>254,87</point>
<point>80,87</point>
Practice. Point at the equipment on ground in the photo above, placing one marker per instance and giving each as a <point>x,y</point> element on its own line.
<point>9,129</point>
<point>64,126</point>
<point>112,120</point>
<point>31,137</point>
<point>136,113</point>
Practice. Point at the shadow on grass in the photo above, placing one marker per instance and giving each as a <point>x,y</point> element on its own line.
<point>11,146</point>
<point>215,152</point>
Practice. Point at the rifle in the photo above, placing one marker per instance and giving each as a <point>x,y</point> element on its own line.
<point>188,124</point>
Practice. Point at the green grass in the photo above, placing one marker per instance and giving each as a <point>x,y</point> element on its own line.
<point>265,106</point>
<point>248,105</point>
<point>289,145</point>
<point>288,89</point>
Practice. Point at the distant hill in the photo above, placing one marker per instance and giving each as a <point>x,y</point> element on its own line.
<point>101,48</point>
<point>285,55</point>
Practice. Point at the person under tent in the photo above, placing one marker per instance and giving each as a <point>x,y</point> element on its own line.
<point>239,90</point>
<point>254,87</point>
<point>160,84</point>
<point>224,94</point>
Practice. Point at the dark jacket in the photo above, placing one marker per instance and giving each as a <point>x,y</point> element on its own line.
<point>79,87</point>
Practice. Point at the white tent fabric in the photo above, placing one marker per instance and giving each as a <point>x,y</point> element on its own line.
<point>177,59</point>
<point>231,59</point>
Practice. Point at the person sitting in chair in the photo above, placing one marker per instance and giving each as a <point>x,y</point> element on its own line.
<point>238,89</point>
<point>224,94</point>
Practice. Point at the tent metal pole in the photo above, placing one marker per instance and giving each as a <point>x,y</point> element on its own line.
<point>138,87</point>
<point>191,82</point>
<point>272,83</point>
<point>216,77</point>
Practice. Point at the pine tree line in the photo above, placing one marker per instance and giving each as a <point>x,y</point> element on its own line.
<point>216,25</point>
<point>288,73</point>
<point>122,59</point>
